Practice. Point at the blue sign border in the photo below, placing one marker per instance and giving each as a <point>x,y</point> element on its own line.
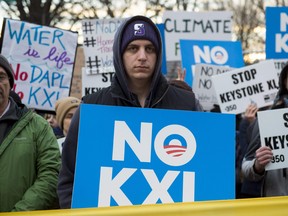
<point>213,162</point>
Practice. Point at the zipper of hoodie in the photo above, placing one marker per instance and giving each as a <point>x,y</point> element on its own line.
<point>137,104</point>
<point>160,98</point>
<point>133,104</point>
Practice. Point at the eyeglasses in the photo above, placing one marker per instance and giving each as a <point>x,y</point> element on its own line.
<point>4,78</point>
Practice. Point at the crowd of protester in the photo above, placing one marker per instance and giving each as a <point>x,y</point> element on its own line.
<point>31,157</point>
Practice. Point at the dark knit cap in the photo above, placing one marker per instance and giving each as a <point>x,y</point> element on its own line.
<point>8,69</point>
<point>139,29</point>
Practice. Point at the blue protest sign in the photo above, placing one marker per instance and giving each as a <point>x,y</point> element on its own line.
<point>132,156</point>
<point>222,53</point>
<point>276,32</point>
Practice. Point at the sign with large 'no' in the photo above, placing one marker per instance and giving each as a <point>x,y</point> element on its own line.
<point>131,156</point>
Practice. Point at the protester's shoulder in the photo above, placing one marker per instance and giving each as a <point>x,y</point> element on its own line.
<point>34,121</point>
<point>38,119</point>
<point>181,92</point>
<point>183,99</point>
<point>95,97</point>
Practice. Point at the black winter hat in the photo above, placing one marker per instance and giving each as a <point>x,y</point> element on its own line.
<point>6,65</point>
<point>139,29</point>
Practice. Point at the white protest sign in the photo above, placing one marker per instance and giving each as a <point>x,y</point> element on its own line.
<point>215,25</point>
<point>94,82</point>
<point>98,39</point>
<point>257,83</point>
<point>42,59</point>
<point>273,127</point>
<point>280,64</point>
<point>203,85</point>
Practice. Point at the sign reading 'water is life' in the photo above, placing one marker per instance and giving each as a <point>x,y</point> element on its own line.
<point>42,59</point>
<point>131,156</point>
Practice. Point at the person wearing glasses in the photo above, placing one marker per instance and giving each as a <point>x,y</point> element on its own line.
<point>29,154</point>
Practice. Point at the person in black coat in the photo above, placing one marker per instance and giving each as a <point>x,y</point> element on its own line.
<point>138,82</point>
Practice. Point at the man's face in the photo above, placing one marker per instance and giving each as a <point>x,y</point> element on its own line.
<point>4,88</point>
<point>139,60</point>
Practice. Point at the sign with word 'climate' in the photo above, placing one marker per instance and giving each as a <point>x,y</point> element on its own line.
<point>42,59</point>
<point>187,25</point>
<point>132,156</point>
<point>275,137</point>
